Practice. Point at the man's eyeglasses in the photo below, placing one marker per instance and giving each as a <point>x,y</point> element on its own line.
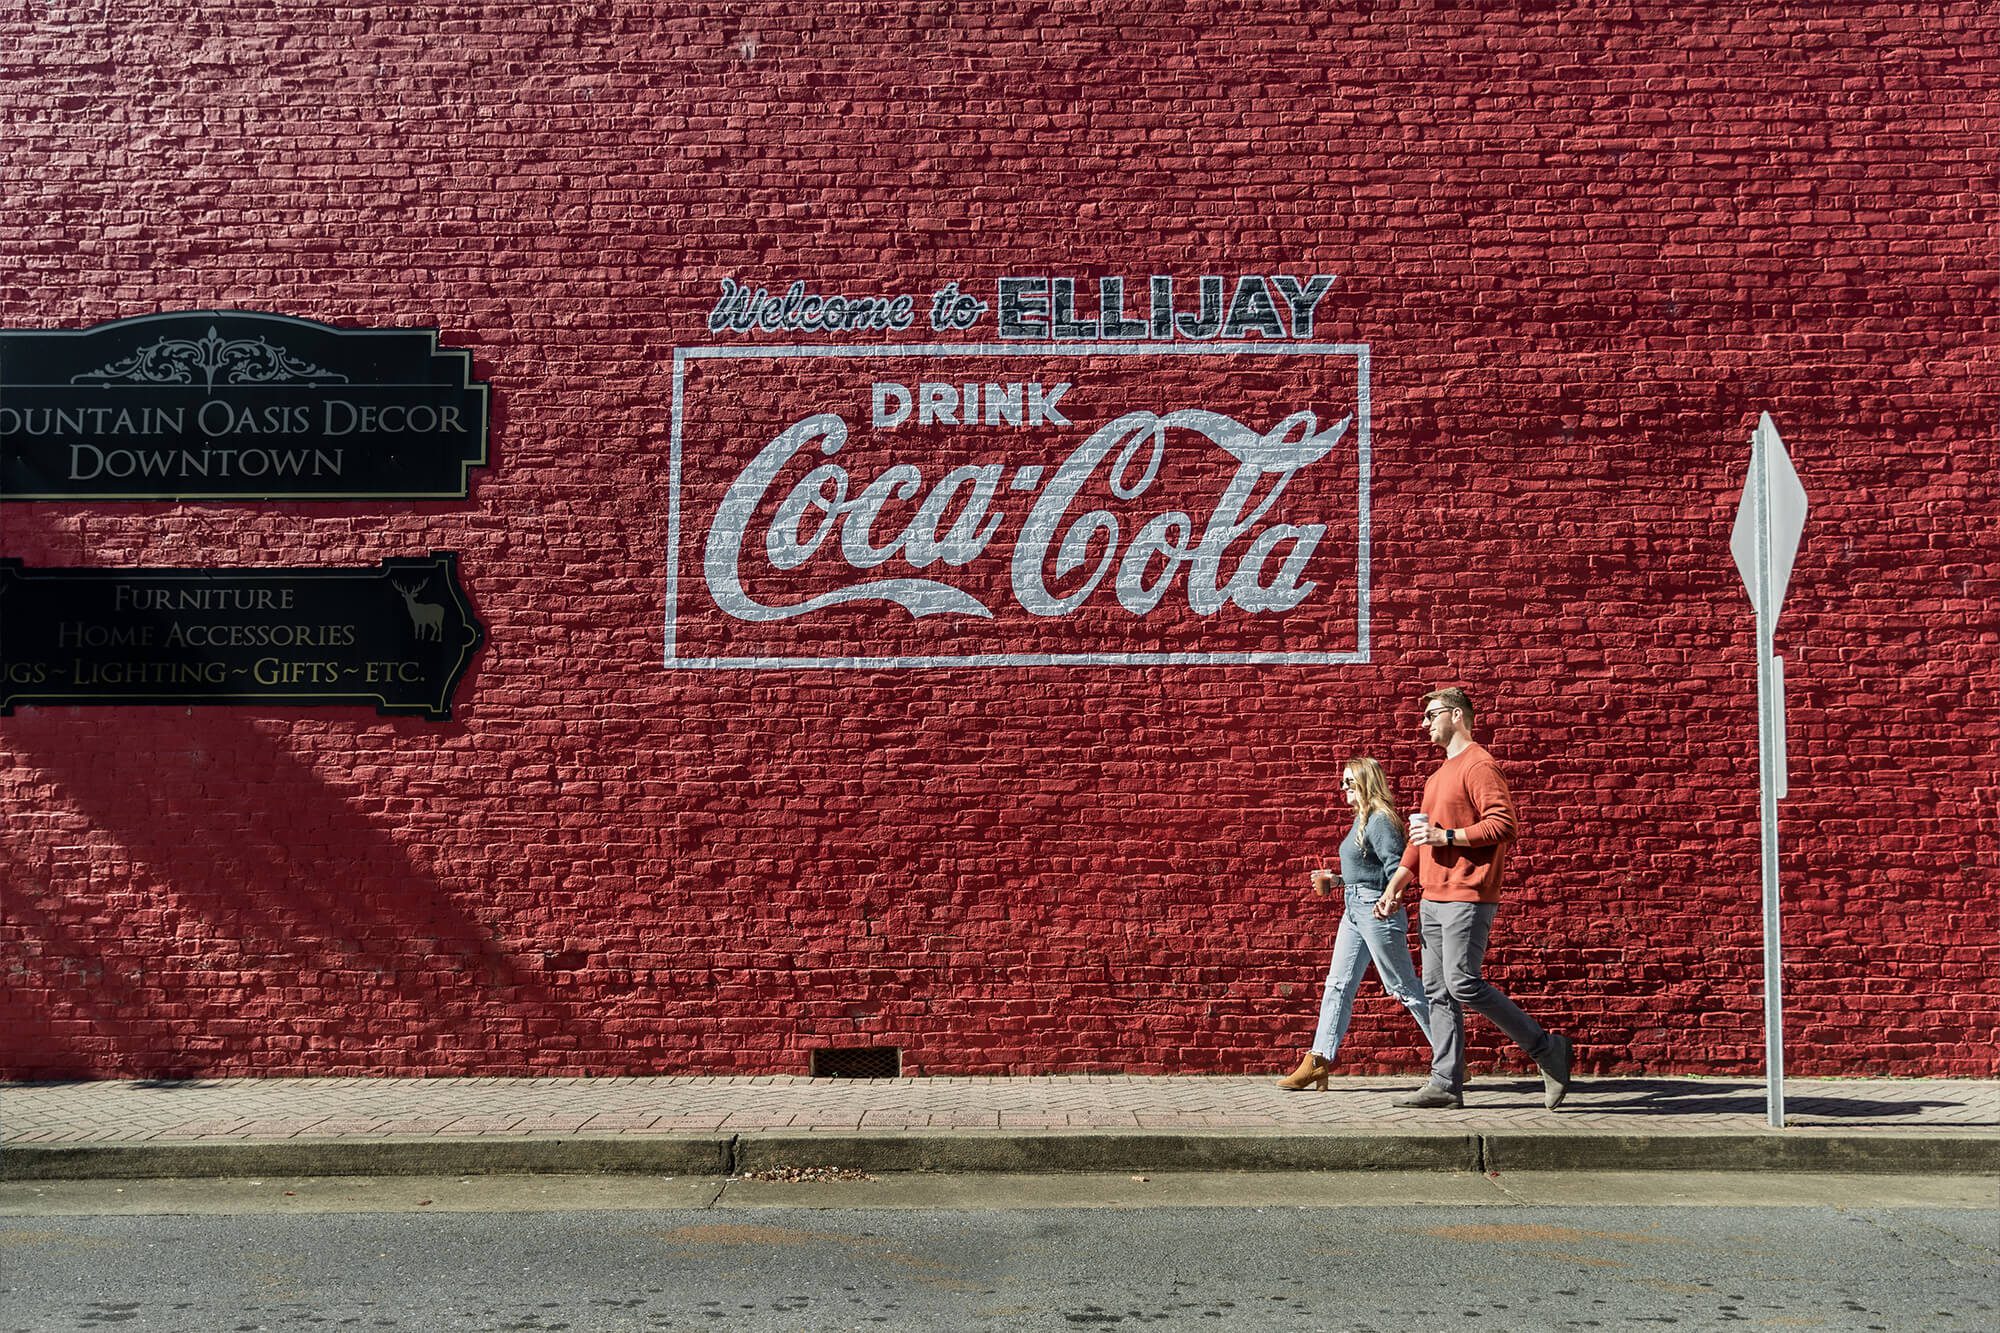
<point>1437,712</point>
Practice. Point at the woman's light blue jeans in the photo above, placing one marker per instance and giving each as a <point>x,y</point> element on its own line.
<point>1363,939</point>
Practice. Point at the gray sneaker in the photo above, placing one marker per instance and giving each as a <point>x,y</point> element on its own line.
<point>1430,1095</point>
<point>1556,1072</point>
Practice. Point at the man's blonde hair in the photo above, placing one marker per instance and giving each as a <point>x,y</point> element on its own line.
<point>1453,697</point>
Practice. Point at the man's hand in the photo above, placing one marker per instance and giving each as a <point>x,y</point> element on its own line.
<point>1387,905</point>
<point>1430,835</point>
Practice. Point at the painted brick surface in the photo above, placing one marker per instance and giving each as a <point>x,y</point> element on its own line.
<point>1585,249</point>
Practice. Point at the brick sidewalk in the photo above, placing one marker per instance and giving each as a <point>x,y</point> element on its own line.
<point>224,1111</point>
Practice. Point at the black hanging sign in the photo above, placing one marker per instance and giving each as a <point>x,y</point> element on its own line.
<point>399,637</point>
<point>236,405</point>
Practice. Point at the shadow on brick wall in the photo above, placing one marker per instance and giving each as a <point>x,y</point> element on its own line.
<point>221,904</point>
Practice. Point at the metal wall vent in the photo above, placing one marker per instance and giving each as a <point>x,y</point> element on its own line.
<point>858,1062</point>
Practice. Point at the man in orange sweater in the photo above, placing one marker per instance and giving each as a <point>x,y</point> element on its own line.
<point>1457,860</point>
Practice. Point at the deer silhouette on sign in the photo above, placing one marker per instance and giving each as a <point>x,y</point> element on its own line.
<point>427,618</point>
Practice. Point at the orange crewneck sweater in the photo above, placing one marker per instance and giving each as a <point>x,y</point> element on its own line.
<point>1467,793</point>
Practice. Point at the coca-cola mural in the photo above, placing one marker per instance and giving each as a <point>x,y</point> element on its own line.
<point>1019,503</point>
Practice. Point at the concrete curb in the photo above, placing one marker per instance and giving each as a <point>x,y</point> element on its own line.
<point>1937,1153</point>
<point>1099,1150</point>
<point>681,1156</point>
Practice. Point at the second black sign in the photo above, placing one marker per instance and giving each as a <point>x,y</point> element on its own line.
<point>400,636</point>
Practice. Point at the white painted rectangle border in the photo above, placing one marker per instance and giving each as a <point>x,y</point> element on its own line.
<point>1360,654</point>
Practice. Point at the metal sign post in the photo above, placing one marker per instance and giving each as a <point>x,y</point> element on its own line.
<point>1765,540</point>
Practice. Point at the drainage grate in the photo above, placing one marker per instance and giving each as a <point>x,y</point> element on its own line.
<point>858,1062</point>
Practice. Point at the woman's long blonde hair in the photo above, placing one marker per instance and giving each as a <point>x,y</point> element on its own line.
<point>1372,784</point>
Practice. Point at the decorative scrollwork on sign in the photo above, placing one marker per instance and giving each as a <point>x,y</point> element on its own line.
<point>237,360</point>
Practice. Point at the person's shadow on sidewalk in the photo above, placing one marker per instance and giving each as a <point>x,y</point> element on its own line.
<point>1670,1097</point>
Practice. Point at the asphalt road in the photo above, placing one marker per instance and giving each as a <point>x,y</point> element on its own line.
<point>475,1255</point>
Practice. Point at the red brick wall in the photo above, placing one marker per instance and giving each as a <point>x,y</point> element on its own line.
<point>1584,252</point>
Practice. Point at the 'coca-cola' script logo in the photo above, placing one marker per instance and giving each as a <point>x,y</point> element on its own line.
<point>922,520</point>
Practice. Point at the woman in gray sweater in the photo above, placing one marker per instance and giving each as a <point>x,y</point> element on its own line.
<point>1368,856</point>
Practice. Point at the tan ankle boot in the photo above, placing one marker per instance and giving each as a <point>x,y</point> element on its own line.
<point>1311,1073</point>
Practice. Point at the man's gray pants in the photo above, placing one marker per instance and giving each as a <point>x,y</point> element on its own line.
<point>1455,937</point>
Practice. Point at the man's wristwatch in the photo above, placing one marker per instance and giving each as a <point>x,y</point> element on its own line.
<point>1451,837</point>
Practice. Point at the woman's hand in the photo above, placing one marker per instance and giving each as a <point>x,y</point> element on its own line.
<point>1388,904</point>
